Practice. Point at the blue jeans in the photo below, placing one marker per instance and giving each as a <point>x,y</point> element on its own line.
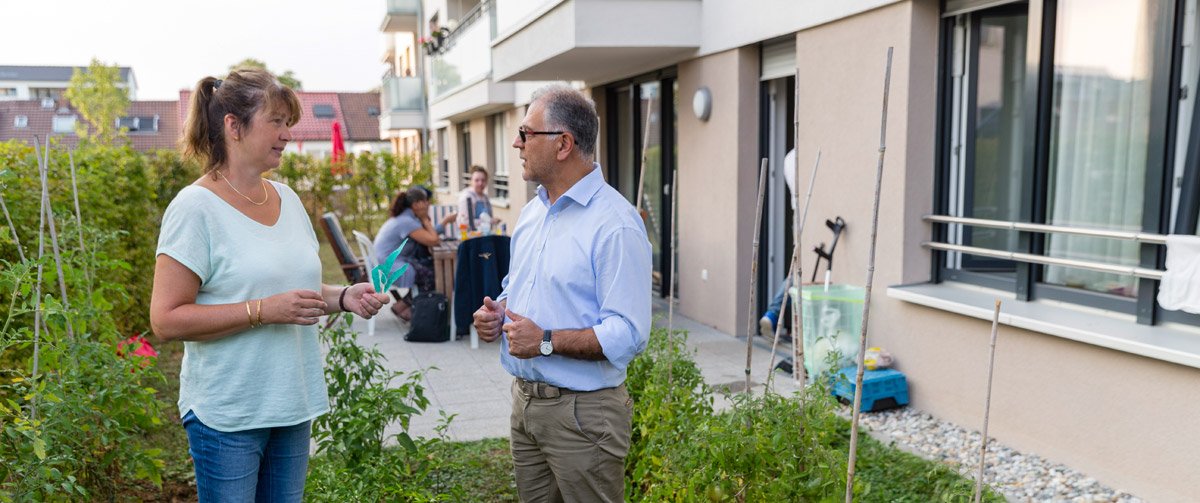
<point>262,465</point>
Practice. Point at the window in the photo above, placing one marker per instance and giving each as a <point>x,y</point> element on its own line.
<point>443,148</point>
<point>64,124</point>
<point>47,103</point>
<point>8,91</point>
<point>501,140</point>
<point>464,153</point>
<point>323,111</point>
<point>21,121</point>
<point>1076,136</point>
<point>373,111</point>
<point>141,124</point>
<point>39,93</point>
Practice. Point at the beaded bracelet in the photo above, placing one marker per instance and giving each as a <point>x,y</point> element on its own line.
<point>342,300</point>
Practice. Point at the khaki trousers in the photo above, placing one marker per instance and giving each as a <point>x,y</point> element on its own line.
<point>570,446</point>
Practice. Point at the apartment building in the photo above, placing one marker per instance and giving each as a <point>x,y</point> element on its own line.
<point>23,83</point>
<point>1073,116</point>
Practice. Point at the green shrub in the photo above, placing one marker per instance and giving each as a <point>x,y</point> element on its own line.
<point>365,398</point>
<point>764,448</point>
<point>77,428</point>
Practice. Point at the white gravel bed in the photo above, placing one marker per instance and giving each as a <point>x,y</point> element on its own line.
<point>1019,476</point>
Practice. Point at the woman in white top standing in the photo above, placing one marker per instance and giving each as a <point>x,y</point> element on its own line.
<point>473,202</point>
<point>238,279</point>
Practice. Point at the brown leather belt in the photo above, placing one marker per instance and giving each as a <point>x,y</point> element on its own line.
<point>537,389</point>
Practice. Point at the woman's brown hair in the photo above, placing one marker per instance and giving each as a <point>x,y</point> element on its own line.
<point>405,200</point>
<point>242,94</point>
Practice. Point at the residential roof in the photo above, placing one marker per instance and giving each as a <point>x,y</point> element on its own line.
<point>349,109</point>
<point>360,123</point>
<point>39,121</point>
<point>47,73</point>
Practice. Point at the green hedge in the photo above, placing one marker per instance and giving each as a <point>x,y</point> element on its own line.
<point>82,426</point>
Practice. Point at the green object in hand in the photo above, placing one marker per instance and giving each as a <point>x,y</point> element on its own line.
<point>381,275</point>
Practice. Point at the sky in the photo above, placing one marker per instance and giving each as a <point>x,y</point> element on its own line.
<point>171,44</point>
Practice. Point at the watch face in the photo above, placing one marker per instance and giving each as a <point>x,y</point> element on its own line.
<point>546,348</point>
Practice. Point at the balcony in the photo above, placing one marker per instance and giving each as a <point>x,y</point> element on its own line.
<point>460,83</point>
<point>403,102</point>
<point>401,15</point>
<point>592,40</point>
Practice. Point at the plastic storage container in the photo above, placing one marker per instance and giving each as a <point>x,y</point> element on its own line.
<point>882,389</point>
<point>832,322</point>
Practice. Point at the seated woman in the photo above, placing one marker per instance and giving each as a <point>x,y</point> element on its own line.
<point>409,220</point>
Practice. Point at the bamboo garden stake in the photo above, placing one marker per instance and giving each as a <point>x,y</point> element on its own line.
<point>798,376</point>
<point>862,339</point>
<point>79,221</point>
<point>671,277</point>
<point>987,402</point>
<point>49,211</point>
<point>750,319</point>
<point>13,228</point>
<point>793,276</point>
<point>37,289</point>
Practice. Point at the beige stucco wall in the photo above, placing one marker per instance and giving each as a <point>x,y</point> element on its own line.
<point>718,177</point>
<point>481,154</point>
<point>1129,421</point>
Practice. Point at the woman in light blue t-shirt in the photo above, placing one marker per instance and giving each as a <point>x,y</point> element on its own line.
<point>238,279</point>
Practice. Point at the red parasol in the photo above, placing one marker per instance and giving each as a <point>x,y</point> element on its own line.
<point>339,149</point>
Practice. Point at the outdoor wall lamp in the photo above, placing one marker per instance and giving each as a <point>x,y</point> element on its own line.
<point>702,103</point>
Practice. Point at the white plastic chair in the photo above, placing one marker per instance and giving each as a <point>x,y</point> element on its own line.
<point>366,248</point>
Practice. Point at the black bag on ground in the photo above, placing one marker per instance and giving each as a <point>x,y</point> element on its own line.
<point>430,318</point>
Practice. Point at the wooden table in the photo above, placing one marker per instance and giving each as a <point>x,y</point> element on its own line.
<point>445,256</point>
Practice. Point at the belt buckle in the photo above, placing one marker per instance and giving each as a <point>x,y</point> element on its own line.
<point>548,391</point>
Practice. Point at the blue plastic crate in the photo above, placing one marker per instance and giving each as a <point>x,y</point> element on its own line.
<point>882,389</point>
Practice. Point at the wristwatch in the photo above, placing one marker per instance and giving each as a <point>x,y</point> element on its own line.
<point>546,348</point>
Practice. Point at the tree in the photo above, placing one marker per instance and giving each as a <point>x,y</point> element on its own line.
<point>286,78</point>
<point>94,93</point>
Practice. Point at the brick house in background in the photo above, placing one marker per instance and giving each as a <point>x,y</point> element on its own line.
<point>151,125</point>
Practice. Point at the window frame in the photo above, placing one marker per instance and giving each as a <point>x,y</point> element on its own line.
<point>1027,281</point>
<point>499,135</point>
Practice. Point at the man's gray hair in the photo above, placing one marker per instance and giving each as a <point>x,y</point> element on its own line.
<point>568,109</point>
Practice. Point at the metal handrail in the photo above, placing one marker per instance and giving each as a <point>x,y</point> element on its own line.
<point>1142,237</point>
<point>1140,272</point>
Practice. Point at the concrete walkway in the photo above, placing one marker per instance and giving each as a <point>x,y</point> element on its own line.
<point>470,383</point>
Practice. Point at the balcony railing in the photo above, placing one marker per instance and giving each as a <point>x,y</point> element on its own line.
<point>1140,272</point>
<point>466,54</point>
<point>403,94</point>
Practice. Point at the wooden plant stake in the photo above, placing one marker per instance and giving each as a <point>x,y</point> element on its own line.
<point>987,403</point>
<point>792,280</point>
<point>862,339</point>
<point>49,213</point>
<point>671,277</point>
<point>79,221</point>
<point>750,319</point>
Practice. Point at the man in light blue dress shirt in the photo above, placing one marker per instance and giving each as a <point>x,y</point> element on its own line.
<point>574,312</point>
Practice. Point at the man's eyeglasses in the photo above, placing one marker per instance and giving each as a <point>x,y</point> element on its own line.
<point>522,132</point>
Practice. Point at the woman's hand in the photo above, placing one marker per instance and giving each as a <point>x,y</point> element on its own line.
<point>361,299</point>
<point>295,307</point>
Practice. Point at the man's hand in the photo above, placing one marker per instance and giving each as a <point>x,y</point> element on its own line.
<point>524,336</point>
<point>488,318</point>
